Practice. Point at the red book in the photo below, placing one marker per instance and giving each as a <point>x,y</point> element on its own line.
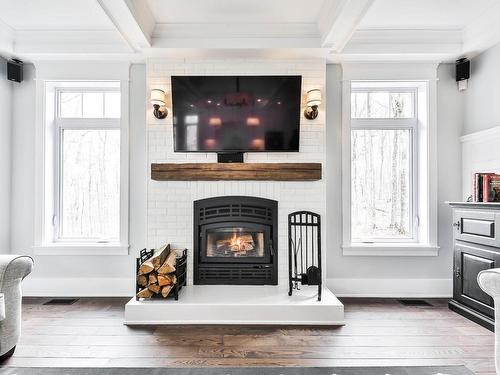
<point>491,188</point>
<point>477,186</point>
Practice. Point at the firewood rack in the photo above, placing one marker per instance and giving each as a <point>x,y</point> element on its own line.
<point>180,272</point>
<point>304,250</point>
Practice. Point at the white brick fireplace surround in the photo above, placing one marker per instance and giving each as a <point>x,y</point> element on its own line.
<point>170,203</point>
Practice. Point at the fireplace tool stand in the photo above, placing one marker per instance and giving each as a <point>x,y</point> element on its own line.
<point>304,250</point>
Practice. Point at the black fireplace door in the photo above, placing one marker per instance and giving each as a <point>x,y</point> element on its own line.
<point>236,242</point>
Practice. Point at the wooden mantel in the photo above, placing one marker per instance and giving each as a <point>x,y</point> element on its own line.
<point>236,171</point>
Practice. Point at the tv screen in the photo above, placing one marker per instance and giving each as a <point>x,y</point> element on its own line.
<point>236,114</point>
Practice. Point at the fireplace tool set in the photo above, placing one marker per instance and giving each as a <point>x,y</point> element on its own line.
<point>304,250</point>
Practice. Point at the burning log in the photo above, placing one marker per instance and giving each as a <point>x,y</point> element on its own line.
<point>237,243</point>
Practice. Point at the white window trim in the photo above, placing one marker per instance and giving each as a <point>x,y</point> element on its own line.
<point>62,123</point>
<point>44,169</point>
<point>397,124</point>
<point>427,244</point>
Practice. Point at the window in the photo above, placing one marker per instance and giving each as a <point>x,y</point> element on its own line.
<point>85,176</point>
<point>383,132</point>
<point>386,169</point>
<point>88,164</point>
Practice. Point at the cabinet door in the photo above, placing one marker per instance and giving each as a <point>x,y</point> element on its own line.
<point>469,261</point>
<point>477,226</point>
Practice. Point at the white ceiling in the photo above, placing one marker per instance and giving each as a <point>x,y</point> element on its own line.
<point>338,30</point>
<point>54,15</point>
<point>235,11</point>
<point>439,14</point>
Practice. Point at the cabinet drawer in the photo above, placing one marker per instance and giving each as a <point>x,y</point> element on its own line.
<point>480,227</point>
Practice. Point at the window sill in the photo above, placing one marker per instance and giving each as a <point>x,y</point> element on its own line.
<point>81,249</point>
<point>391,249</point>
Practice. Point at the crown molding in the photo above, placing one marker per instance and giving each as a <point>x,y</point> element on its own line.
<point>339,19</point>
<point>405,41</point>
<point>404,71</point>
<point>69,42</point>
<point>482,135</point>
<point>283,35</point>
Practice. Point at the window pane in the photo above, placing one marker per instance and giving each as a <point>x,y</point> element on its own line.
<point>359,105</point>
<point>90,184</point>
<point>112,105</point>
<point>378,104</point>
<point>93,104</point>
<point>70,104</point>
<point>401,105</point>
<point>380,184</point>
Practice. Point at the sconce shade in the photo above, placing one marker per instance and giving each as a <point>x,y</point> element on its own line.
<point>158,97</point>
<point>313,97</point>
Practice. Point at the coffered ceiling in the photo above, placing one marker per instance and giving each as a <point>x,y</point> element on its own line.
<point>339,30</point>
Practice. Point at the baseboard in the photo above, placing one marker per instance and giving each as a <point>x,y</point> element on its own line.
<point>78,287</point>
<point>124,287</point>
<point>391,288</point>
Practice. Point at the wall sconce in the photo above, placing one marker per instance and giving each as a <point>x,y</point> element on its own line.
<point>313,100</point>
<point>158,101</point>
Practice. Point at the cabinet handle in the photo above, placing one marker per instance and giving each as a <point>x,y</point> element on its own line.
<point>457,272</point>
<point>457,225</point>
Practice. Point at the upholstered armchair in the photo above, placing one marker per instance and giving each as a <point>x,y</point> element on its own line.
<point>489,281</point>
<point>13,269</point>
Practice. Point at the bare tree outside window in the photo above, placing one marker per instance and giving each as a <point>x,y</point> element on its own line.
<point>90,189</point>
<point>89,165</point>
<point>381,166</point>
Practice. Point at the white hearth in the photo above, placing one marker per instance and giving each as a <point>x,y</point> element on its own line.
<point>223,304</point>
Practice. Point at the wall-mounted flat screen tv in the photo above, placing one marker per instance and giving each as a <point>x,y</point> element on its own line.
<point>236,113</point>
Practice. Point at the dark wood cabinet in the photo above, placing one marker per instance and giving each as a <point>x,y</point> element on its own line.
<point>476,248</point>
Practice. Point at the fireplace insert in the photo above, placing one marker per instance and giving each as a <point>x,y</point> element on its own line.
<point>235,241</point>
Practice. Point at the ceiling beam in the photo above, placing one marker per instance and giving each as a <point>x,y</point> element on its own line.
<point>229,36</point>
<point>132,19</point>
<point>339,19</point>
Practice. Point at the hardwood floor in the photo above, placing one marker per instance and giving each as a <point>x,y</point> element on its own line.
<point>378,332</point>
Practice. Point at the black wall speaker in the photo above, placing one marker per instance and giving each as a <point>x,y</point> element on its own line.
<point>462,69</point>
<point>15,70</point>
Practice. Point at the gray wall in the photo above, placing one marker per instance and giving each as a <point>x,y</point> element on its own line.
<point>23,158</point>
<point>449,180</point>
<point>118,270</point>
<point>87,269</point>
<point>5,156</point>
<point>482,98</point>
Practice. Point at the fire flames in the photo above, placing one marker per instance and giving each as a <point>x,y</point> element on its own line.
<point>238,243</point>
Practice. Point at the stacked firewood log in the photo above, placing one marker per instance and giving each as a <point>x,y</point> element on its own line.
<point>157,274</point>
